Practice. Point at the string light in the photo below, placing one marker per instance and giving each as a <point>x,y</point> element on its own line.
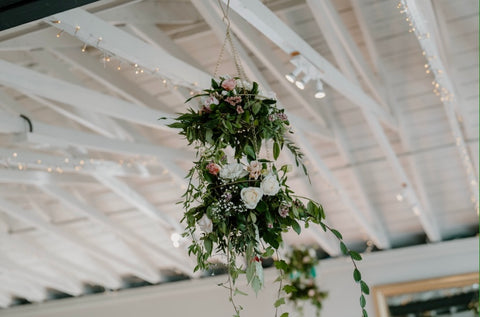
<point>84,47</point>
<point>59,33</point>
<point>444,90</point>
<point>77,28</point>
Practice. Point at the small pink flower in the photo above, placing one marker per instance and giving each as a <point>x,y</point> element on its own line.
<point>204,109</point>
<point>210,100</point>
<point>229,84</point>
<point>255,169</point>
<point>283,210</point>
<point>213,168</point>
<point>269,225</point>
<point>240,109</point>
<point>271,118</point>
<point>282,116</point>
<point>233,100</point>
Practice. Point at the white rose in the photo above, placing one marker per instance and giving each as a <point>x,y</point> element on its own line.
<point>311,292</point>
<point>205,224</point>
<point>270,185</point>
<point>251,196</point>
<point>233,171</point>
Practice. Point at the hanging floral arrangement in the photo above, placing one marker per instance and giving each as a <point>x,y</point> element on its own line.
<point>237,203</point>
<point>299,275</point>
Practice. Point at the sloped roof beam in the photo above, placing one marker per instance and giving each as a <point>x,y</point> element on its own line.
<point>212,15</point>
<point>104,255</point>
<point>325,14</point>
<point>420,14</point>
<point>127,47</point>
<point>268,23</point>
<point>374,230</point>
<point>100,275</point>
<point>135,243</point>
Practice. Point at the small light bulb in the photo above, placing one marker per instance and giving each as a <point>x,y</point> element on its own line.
<point>84,48</point>
<point>15,154</point>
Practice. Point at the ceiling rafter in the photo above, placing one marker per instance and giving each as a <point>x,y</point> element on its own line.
<point>26,273</point>
<point>101,276</point>
<point>423,18</point>
<point>268,23</point>
<point>13,285</point>
<point>430,224</point>
<point>250,39</point>
<point>134,50</point>
<point>325,14</point>
<point>137,245</point>
<point>104,255</point>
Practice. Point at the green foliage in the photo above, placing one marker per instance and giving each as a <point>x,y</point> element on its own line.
<point>299,274</point>
<point>218,217</point>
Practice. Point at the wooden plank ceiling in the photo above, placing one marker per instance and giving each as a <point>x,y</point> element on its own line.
<point>88,192</point>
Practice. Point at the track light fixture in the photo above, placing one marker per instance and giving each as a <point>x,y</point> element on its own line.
<point>303,82</point>
<point>293,75</point>
<point>320,92</point>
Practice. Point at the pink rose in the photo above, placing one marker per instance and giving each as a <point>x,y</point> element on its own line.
<point>240,109</point>
<point>229,84</point>
<point>213,168</point>
<point>255,169</point>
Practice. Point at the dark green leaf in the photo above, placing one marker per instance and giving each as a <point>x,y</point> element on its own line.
<point>262,206</point>
<point>208,245</point>
<point>337,234</point>
<point>296,227</point>
<point>364,287</point>
<point>281,265</point>
<point>279,302</point>
<point>356,275</point>
<point>363,302</point>
<point>364,313</point>
<point>249,151</point>
<point>276,150</point>
<point>284,315</point>
<point>256,107</point>
<point>289,289</point>
<point>355,255</point>
<point>344,248</point>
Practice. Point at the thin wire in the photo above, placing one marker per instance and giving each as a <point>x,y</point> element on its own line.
<point>228,39</point>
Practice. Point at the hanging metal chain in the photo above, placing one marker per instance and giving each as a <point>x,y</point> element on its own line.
<point>228,39</point>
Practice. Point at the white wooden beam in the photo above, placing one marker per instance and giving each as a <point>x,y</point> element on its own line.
<point>419,15</point>
<point>76,164</point>
<point>325,14</point>
<point>127,47</point>
<point>48,134</point>
<point>100,34</point>
<point>41,85</point>
<point>99,275</point>
<point>249,37</point>
<point>29,274</point>
<point>268,23</point>
<point>5,300</point>
<point>136,244</point>
<point>374,230</point>
<point>32,219</point>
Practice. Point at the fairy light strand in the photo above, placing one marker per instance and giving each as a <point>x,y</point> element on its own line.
<point>442,88</point>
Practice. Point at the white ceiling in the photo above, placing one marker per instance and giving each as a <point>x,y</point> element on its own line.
<point>94,202</point>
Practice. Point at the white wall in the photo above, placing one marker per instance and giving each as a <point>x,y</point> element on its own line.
<point>203,298</point>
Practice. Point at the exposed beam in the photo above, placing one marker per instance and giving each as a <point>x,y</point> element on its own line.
<point>137,245</point>
<point>48,87</point>
<point>79,165</point>
<point>423,18</point>
<point>133,197</point>
<point>374,230</point>
<point>127,47</point>
<point>102,35</point>
<point>113,80</point>
<point>100,253</point>
<point>47,134</point>
<point>29,274</point>
<point>99,275</point>
<point>268,23</point>
<point>325,13</point>
<point>249,37</point>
